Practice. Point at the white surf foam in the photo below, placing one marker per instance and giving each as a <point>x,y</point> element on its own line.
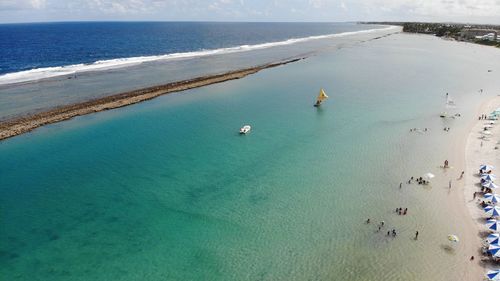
<point>50,72</point>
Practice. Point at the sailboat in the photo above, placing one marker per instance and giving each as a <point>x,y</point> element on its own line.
<point>321,97</point>
<point>449,104</point>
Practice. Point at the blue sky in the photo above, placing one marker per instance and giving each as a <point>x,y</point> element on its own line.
<point>477,11</point>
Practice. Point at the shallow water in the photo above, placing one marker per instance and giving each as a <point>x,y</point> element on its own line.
<point>167,189</point>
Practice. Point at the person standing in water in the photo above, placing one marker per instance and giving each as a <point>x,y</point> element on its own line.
<point>416,235</point>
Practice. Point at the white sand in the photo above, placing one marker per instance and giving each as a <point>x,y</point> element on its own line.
<point>479,152</point>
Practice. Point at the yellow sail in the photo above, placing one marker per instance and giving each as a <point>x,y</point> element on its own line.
<point>321,97</point>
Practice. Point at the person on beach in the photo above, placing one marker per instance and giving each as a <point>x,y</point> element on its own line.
<point>406,210</point>
<point>449,185</point>
<point>388,233</point>
<point>462,174</point>
<point>400,185</point>
<point>446,163</point>
<point>382,223</point>
<point>416,235</point>
<point>368,221</point>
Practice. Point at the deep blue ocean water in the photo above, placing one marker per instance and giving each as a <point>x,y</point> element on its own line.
<point>39,45</point>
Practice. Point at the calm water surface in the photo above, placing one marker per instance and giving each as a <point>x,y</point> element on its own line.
<point>167,189</point>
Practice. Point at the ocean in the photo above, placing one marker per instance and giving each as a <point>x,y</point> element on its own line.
<point>168,190</point>
<point>35,51</point>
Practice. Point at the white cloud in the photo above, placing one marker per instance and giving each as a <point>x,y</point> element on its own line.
<point>439,9</point>
<point>261,10</point>
<point>21,4</point>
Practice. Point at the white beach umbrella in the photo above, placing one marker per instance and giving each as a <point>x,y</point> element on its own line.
<point>493,225</point>
<point>453,238</point>
<point>488,126</point>
<point>486,133</point>
<point>490,185</point>
<point>486,167</point>
<point>488,177</point>
<point>493,238</point>
<point>493,211</point>
<point>492,197</point>
<point>493,274</point>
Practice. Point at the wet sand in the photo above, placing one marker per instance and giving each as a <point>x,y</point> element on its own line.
<point>23,124</point>
<point>477,152</point>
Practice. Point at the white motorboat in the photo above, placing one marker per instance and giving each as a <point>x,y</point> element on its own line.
<point>245,129</point>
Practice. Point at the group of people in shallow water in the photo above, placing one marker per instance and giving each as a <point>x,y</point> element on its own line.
<point>482,117</point>
<point>393,233</point>
<point>400,211</point>
<point>418,180</point>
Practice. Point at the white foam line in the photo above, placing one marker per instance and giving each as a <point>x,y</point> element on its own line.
<point>49,72</point>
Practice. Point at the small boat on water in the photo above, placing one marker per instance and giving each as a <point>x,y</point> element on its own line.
<point>245,129</point>
<point>321,97</point>
<point>443,115</point>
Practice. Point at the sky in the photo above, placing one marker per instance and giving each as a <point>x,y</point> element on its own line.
<point>467,11</point>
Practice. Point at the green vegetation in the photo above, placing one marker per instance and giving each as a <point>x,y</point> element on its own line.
<point>439,29</point>
<point>456,31</point>
<point>487,42</point>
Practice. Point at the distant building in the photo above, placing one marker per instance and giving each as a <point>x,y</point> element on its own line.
<point>489,36</point>
<point>476,33</point>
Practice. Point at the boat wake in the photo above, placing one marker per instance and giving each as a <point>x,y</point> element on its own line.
<point>50,72</point>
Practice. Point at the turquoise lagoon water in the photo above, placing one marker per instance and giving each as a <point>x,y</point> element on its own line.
<point>167,189</point>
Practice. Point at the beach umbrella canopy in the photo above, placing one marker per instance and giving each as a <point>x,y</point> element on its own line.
<point>493,274</point>
<point>493,211</point>
<point>494,249</point>
<point>429,176</point>
<point>490,185</point>
<point>492,197</point>
<point>493,238</point>
<point>488,126</point>
<point>488,177</point>
<point>486,133</point>
<point>486,167</point>
<point>453,238</point>
<point>493,225</point>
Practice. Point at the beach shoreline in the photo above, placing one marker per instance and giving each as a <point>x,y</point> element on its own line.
<point>24,124</point>
<point>477,152</point>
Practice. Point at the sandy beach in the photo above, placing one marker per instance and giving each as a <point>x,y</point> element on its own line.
<point>20,125</point>
<point>480,151</point>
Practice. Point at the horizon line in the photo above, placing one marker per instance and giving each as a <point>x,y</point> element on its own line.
<point>249,21</point>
